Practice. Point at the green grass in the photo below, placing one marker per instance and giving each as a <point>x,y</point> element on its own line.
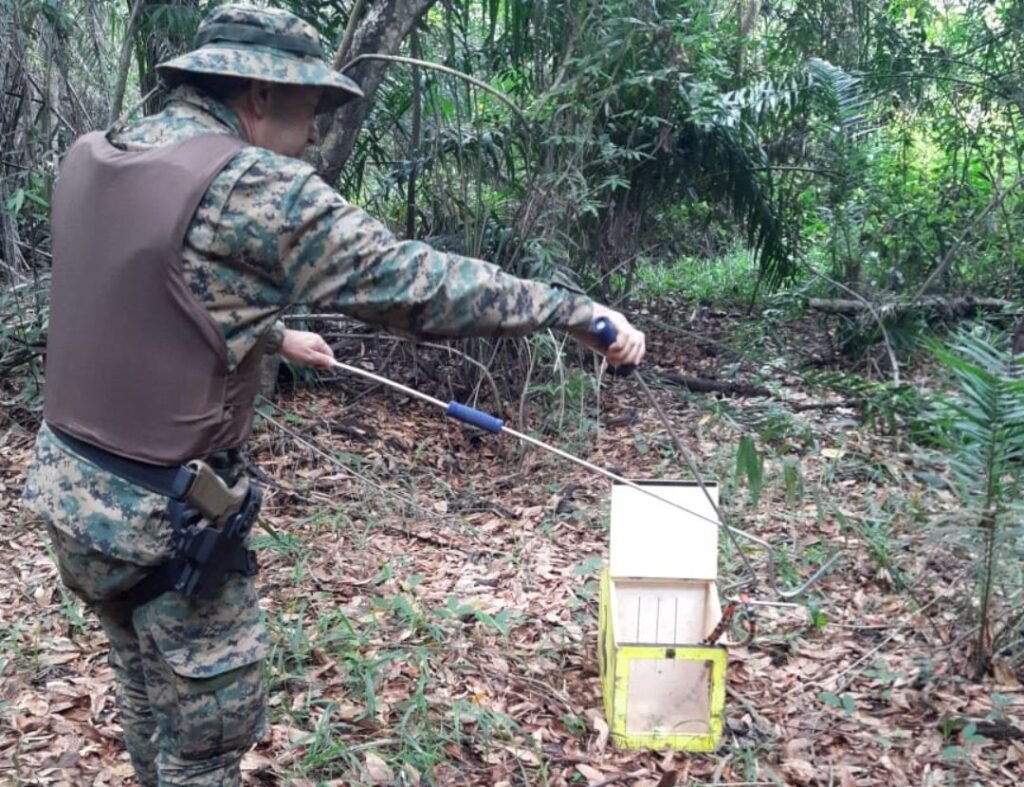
<point>729,278</point>
<point>415,735</point>
<point>361,684</point>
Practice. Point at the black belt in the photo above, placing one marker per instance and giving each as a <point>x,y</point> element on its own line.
<point>171,481</point>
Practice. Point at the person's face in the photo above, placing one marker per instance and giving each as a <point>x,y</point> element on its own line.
<point>284,117</point>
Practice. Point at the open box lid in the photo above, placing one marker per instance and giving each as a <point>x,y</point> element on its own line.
<point>654,540</point>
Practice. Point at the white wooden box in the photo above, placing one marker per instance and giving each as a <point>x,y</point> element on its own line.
<point>659,600</point>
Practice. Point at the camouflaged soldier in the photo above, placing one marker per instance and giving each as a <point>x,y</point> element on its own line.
<point>178,243</point>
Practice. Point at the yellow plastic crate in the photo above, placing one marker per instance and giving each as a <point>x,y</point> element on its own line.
<point>658,601</point>
<point>660,696</point>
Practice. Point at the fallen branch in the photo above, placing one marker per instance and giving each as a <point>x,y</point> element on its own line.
<point>874,315</point>
<point>798,407</point>
<point>952,307</point>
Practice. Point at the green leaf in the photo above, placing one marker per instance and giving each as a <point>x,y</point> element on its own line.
<point>15,202</point>
<point>589,566</point>
<point>793,479</point>
<point>750,464</point>
<point>970,734</point>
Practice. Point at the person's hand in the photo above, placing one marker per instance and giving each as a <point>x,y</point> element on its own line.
<point>307,349</point>
<point>629,346</point>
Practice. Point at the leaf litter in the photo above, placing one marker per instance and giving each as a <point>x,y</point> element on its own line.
<point>436,623</point>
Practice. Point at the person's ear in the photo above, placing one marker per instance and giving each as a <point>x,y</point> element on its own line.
<point>260,98</point>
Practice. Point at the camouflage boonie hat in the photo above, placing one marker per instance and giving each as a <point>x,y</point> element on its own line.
<point>268,44</point>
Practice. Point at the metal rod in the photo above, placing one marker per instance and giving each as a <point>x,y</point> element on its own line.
<point>531,440</point>
<point>733,532</point>
<point>692,465</point>
<point>391,383</point>
<point>607,474</point>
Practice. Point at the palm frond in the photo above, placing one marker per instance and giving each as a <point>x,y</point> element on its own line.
<point>716,156</point>
<point>981,424</point>
<point>820,86</point>
<point>725,142</point>
<point>842,93</point>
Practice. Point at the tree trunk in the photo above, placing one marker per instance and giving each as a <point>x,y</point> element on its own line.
<point>124,61</point>
<point>382,31</point>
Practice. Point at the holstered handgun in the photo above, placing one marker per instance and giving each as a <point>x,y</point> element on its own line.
<point>211,526</point>
<point>211,497</point>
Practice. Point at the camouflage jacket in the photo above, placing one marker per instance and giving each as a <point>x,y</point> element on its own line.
<point>269,233</point>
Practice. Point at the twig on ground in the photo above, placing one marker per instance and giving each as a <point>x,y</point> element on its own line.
<point>874,315</point>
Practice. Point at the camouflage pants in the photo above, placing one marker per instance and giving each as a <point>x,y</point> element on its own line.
<point>190,688</point>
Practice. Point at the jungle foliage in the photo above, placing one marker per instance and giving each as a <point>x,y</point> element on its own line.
<point>865,147</point>
<point>865,150</point>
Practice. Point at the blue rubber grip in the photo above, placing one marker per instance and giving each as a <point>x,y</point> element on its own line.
<point>604,331</point>
<point>465,413</point>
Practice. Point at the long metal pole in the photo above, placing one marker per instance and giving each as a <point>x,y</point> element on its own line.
<point>495,425</point>
<point>605,331</point>
<point>527,439</point>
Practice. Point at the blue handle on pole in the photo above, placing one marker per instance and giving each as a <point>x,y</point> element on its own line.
<point>604,331</point>
<point>465,413</point>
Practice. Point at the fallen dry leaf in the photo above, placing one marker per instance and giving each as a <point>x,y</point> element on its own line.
<point>799,772</point>
<point>592,775</point>
<point>489,609</point>
<point>377,770</point>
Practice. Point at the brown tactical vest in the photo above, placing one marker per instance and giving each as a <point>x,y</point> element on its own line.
<point>134,362</point>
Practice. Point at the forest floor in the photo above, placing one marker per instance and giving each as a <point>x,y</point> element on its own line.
<point>454,642</point>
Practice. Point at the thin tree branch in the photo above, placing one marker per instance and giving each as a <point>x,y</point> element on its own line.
<point>414,153</point>
<point>350,33</point>
<point>444,69</point>
<point>948,258</point>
